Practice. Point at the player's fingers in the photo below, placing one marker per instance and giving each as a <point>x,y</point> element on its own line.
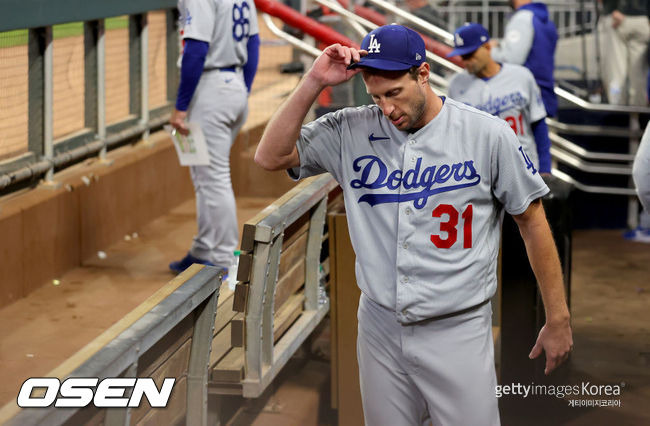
<point>333,50</point>
<point>348,56</point>
<point>356,57</point>
<point>181,128</point>
<point>537,349</point>
<point>552,362</point>
<point>340,52</point>
<point>343,54</point>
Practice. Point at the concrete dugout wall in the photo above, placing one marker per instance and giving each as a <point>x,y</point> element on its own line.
<point>45,232</point>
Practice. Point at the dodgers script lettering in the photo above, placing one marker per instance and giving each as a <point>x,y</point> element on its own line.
<point>435,179</point>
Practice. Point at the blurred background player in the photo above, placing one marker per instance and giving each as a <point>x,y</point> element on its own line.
<point>641,175</point>
<point>506,90</point>
<point>624,34</point>
<point>219,61</point>
<point>530,40</point>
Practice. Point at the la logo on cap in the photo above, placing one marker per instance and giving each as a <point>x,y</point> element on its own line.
<point>459,40</point>
<point>374,45</point>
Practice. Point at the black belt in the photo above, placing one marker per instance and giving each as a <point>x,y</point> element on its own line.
<point>451,314</point>
<point>224,69</point>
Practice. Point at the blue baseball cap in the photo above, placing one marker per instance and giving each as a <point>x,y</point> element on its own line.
<point>468,38</point>
<point>392,48</point>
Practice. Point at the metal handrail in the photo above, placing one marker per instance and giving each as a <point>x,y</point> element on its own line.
<point>439,81</point>
<point>575,161</point>
<point>593,189</point>
<point>570,97</point>
<point>448,38</point>
<point>419,23</point>
<point>33,170</point>
<point>583,153</point>
<point>564,151</point>
<point>307,48</point>
<point>585,129</point>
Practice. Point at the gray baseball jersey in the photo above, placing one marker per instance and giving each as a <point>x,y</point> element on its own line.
<point>641,170</point>
<point>225,24</point>
<point>424,209</point>
<point>512,95</point>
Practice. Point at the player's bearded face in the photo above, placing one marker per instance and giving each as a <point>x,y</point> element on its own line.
<point>402,100</point>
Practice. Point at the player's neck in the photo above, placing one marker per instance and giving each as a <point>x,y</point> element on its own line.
<point>433,107</point>
<point>490,70</point>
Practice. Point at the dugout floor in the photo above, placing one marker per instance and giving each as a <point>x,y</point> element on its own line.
<point>610,316</point>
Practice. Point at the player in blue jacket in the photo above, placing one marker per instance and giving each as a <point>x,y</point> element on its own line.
<point>530,40</point>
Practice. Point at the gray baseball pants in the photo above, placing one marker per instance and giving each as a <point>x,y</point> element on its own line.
<point>220,106</point>
<point>442,370</point>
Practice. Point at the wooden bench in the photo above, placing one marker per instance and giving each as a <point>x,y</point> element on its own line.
<point>276,301</point>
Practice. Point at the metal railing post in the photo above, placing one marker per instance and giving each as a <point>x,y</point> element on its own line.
<point>144,69</point>
<point>122,416</point>
<point>101,90</point>
<point>633,201</point>
<point>312,257</point>
<point>48,104</point>
<point>199,363</point>
<point>173,50</point>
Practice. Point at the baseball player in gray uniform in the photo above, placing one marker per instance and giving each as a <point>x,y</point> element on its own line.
<point>426,181</point>
<point>508,91</point>
<point>219,61</point>
<point>641,176</point>
<point>641,170</point>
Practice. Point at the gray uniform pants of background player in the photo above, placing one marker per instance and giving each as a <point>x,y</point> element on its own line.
<point>623,57</point>
<point>219,105</point>
<point>443,369</point>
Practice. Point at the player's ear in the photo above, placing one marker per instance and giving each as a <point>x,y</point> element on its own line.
<point>423,73</point>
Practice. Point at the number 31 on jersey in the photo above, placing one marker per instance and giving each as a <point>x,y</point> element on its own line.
<point>449,226</point>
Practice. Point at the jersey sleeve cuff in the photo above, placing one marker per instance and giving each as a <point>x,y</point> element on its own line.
<point>532,197</point>
<point>198,37</point>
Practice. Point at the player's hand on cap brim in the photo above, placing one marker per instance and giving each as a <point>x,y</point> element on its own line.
<point>331,67</point>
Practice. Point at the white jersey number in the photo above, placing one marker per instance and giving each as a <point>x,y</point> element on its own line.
<point>449,226</point>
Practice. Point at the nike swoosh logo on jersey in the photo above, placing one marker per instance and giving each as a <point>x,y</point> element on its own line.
<point>228,80</point>
<point>373,138</point>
